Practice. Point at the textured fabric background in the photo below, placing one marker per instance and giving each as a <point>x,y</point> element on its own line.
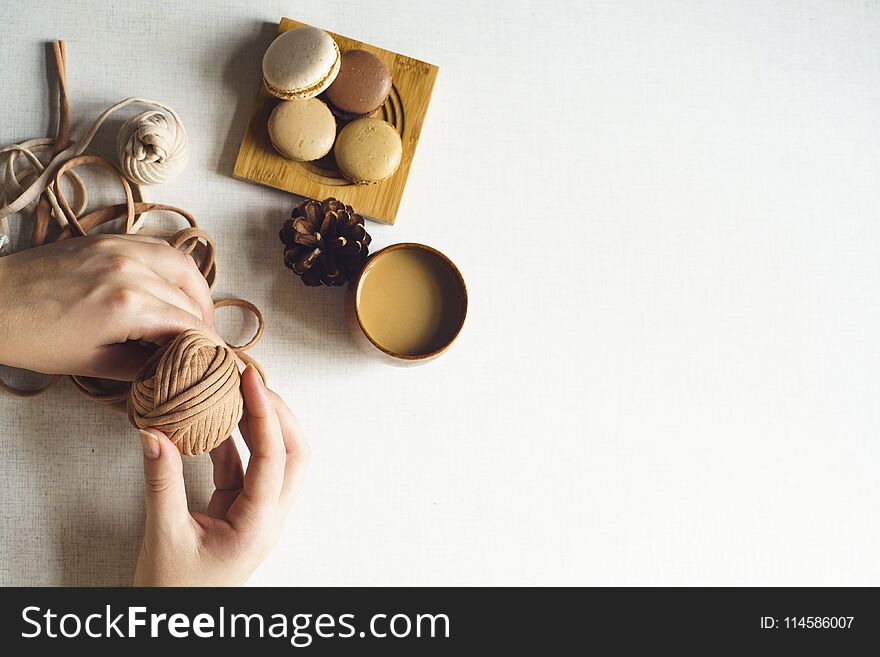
<point>667,215</point>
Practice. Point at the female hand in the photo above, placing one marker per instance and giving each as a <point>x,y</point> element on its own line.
<point>246,512</point>
<point>80,306</point>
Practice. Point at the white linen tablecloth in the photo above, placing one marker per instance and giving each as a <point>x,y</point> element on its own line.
<point>667,216</point>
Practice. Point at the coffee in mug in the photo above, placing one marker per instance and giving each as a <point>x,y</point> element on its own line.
<point>410,302</point>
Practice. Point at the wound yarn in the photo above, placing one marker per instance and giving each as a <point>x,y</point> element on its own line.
<point>150,150</point>
<point>189,390</point>
<point>152,147</point>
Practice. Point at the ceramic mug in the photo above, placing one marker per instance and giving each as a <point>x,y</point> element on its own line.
<point>407,305</point>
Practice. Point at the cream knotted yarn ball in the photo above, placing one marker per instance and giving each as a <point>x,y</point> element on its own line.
<point>152,147</point>
<point>189,390</point>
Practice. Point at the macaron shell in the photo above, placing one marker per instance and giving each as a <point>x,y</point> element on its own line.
<point>368,151</point>
<point>304,94</point>
<point>362,85</point>
<point>302,130</point>
<point>300,63</point>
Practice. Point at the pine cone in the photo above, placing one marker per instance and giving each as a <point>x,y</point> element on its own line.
<point>324,242</point>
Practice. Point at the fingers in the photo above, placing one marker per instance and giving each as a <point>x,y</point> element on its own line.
<point>298,455</point>
<point>228,478</point>
<point>170,265</point>
<point>149,282</point>
<point>265,474</point>
<point>158,321</point>
<point>134,237</point>
<point>164,490</point>
<point>120,362</point>
<point>182,272</point>
<point>290,455</point>
<point>228,473</point>
<point>139,317</point>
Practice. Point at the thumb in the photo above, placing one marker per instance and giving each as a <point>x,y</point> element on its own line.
<point>164,491</point>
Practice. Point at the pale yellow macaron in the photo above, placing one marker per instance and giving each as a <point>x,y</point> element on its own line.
<point>368,151</point>
<point>302,130</point>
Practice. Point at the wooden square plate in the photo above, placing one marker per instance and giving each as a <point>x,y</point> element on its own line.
<point>405,109</point>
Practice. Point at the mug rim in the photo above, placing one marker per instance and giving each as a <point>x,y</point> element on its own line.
<point>416,246</point>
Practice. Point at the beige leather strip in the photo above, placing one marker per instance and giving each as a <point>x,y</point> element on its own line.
<point>104,163</point>
<point>30,392</point>
<point>247,305</point>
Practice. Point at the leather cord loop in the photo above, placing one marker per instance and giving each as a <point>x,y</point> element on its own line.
<point>104,163</point>
<point>29,392</point>
<point>247,305</point>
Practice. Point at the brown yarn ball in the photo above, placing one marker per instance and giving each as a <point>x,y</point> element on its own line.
<point>189,390</point>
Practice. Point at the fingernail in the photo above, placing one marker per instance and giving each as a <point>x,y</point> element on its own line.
<point>250,366</point>
<point>150,443</point>
<point>258,391</point>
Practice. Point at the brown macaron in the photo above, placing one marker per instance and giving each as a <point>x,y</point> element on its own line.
<point>360,88</point>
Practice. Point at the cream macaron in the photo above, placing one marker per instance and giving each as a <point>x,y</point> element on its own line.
<point>300,63</point>
<point>368,151</point>
<point>302,130</point>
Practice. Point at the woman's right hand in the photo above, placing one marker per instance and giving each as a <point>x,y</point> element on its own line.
<point>83,306</point>
<point>247,511</point>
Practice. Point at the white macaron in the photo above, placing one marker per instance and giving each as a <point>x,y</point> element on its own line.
<point>300,63</point>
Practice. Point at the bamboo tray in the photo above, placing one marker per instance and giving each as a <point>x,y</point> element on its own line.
<point>405,109</point>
